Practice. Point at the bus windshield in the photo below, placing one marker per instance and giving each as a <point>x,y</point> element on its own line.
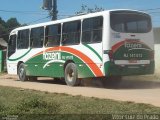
<point>130,22</point>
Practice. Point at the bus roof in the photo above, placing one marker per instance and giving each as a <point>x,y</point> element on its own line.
<point>72,18</point>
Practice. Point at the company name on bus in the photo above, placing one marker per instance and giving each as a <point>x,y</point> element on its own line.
<point>132,45</point>
<point>51,55</point>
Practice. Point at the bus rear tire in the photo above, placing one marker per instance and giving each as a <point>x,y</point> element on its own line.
<point>22,73</point>
<point>71,75</point>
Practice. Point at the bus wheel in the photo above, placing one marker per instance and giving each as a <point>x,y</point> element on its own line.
<point>71,75</point>
<point>22,73</point>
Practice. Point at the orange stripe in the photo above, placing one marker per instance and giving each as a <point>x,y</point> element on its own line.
<point>82,56</point>
<point>86,59</point>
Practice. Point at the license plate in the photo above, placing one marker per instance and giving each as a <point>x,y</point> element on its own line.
<point>133,61</point>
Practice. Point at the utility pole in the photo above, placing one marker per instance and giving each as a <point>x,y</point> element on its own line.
<point>54,10</point>
<point>51,6</point>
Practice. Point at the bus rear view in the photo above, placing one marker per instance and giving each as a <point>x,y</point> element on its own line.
<point>131,44</point>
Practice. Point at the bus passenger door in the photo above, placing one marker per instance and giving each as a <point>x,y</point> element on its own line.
<point>11,46</point>
<point>11,66</point>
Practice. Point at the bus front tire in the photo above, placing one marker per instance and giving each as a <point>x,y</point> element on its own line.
<point>71,75</point>
<point>22,73</point>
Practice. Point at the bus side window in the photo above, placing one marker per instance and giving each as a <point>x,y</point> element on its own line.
<point>23,39</point>
<point>53,35</point>
<point>92,30</point>
<point>37,37</point>
<point>71,33</point>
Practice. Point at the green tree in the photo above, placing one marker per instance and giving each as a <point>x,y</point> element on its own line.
<point>2,22</point>
<point>12,23</point>
<point>6,27</point>
<point>2,30</point>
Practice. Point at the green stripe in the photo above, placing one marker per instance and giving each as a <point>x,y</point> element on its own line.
<point>93,51</point>
<point>20,56</point>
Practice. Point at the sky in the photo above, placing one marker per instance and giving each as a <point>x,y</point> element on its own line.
<point>31,12</point>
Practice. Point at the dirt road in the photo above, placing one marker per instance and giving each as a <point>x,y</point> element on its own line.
<point>140,90</point>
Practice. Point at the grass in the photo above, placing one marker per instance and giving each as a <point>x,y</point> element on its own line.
<point>43,105</point>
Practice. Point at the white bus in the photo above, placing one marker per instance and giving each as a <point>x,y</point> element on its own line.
<point>103,44</point>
